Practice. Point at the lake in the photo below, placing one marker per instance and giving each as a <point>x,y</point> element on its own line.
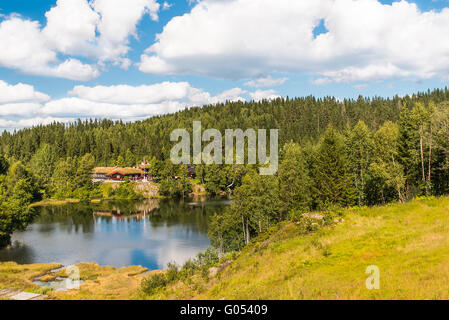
<point>149,233</point>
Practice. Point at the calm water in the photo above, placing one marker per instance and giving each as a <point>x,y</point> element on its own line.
<point>149,233</point>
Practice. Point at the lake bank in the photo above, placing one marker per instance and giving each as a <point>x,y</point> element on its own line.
<point>144,190</point>
<point>97,282</point>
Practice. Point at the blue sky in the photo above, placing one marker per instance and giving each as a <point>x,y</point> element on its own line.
<point>73,59</point>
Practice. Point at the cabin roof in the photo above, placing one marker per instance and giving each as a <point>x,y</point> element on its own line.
<point>126,171</point>
<point>104,170</point>
<point>112,170</point>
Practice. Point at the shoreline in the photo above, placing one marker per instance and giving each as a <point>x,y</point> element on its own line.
<point>96,282</point>
<point>199,191</point>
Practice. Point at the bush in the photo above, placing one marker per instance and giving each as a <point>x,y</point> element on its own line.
<point>208,258</point>
<point>151,284</point>
<point>201,264</point>
<point>295,215</point>
<point>172,272</point>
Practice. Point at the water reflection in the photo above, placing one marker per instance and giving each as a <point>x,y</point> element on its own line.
<point>149,233</point>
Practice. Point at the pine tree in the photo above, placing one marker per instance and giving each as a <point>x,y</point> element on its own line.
<point>333,180</point>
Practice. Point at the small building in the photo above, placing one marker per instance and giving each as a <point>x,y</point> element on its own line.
<point>104,174</point>
<point>101,174</point>
<point>120,174</point>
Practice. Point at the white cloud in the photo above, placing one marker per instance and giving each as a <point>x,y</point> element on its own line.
<point>266,82</point>
<point>260,95</point>
<point>82,108</point>
<point>135,102</point>
<point>125,94</point>
<point>98,30</point>
<point>20,93</point>
<point>23,47</point>
<point>118,21</point>
<point>73,69</point>
<point>232,95</point>
<point>124,102</point>
<point>19,109</point>
<point>71,26</point>
<point>26,123</point>
<point>366,40</point>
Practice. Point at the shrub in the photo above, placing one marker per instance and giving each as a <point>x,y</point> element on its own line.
<point>295,215</point>
<point>172,272</point>
<point>151,284</point>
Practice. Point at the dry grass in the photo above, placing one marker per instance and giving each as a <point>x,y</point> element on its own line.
<point>15,276</point>
<point>104,283</point>
<point>101,283</point>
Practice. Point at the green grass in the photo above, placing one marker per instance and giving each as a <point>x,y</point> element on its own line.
<point>408,242</point>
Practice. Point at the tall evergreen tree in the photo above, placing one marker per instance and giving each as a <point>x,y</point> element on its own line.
<point>333,181</point>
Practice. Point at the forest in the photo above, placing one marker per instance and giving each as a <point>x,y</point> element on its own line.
<point>334,154</point>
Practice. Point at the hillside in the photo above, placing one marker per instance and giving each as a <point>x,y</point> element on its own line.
<point>298,119</point>
<point>408,242</point>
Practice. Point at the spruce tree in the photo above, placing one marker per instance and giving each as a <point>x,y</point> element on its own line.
<point>334,185</point>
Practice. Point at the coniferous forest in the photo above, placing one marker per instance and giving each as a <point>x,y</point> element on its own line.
<point>333,154</point>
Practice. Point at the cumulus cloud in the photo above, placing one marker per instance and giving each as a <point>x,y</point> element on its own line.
<point>124,102</point>
<point>366,40</point>
<point>23,47</point>
<point>20,93</point>
<point>135,102</point>
<point>20,100</point>
<point>125,94</point>
<point>118,21</point>
<point>71,26</point>
<point>98,30</point>
<point>260,95</point>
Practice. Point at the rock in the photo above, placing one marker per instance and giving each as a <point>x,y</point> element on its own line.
<point>213,272</point>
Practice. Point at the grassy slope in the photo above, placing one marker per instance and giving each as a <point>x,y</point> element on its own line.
<point>408,242</point>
